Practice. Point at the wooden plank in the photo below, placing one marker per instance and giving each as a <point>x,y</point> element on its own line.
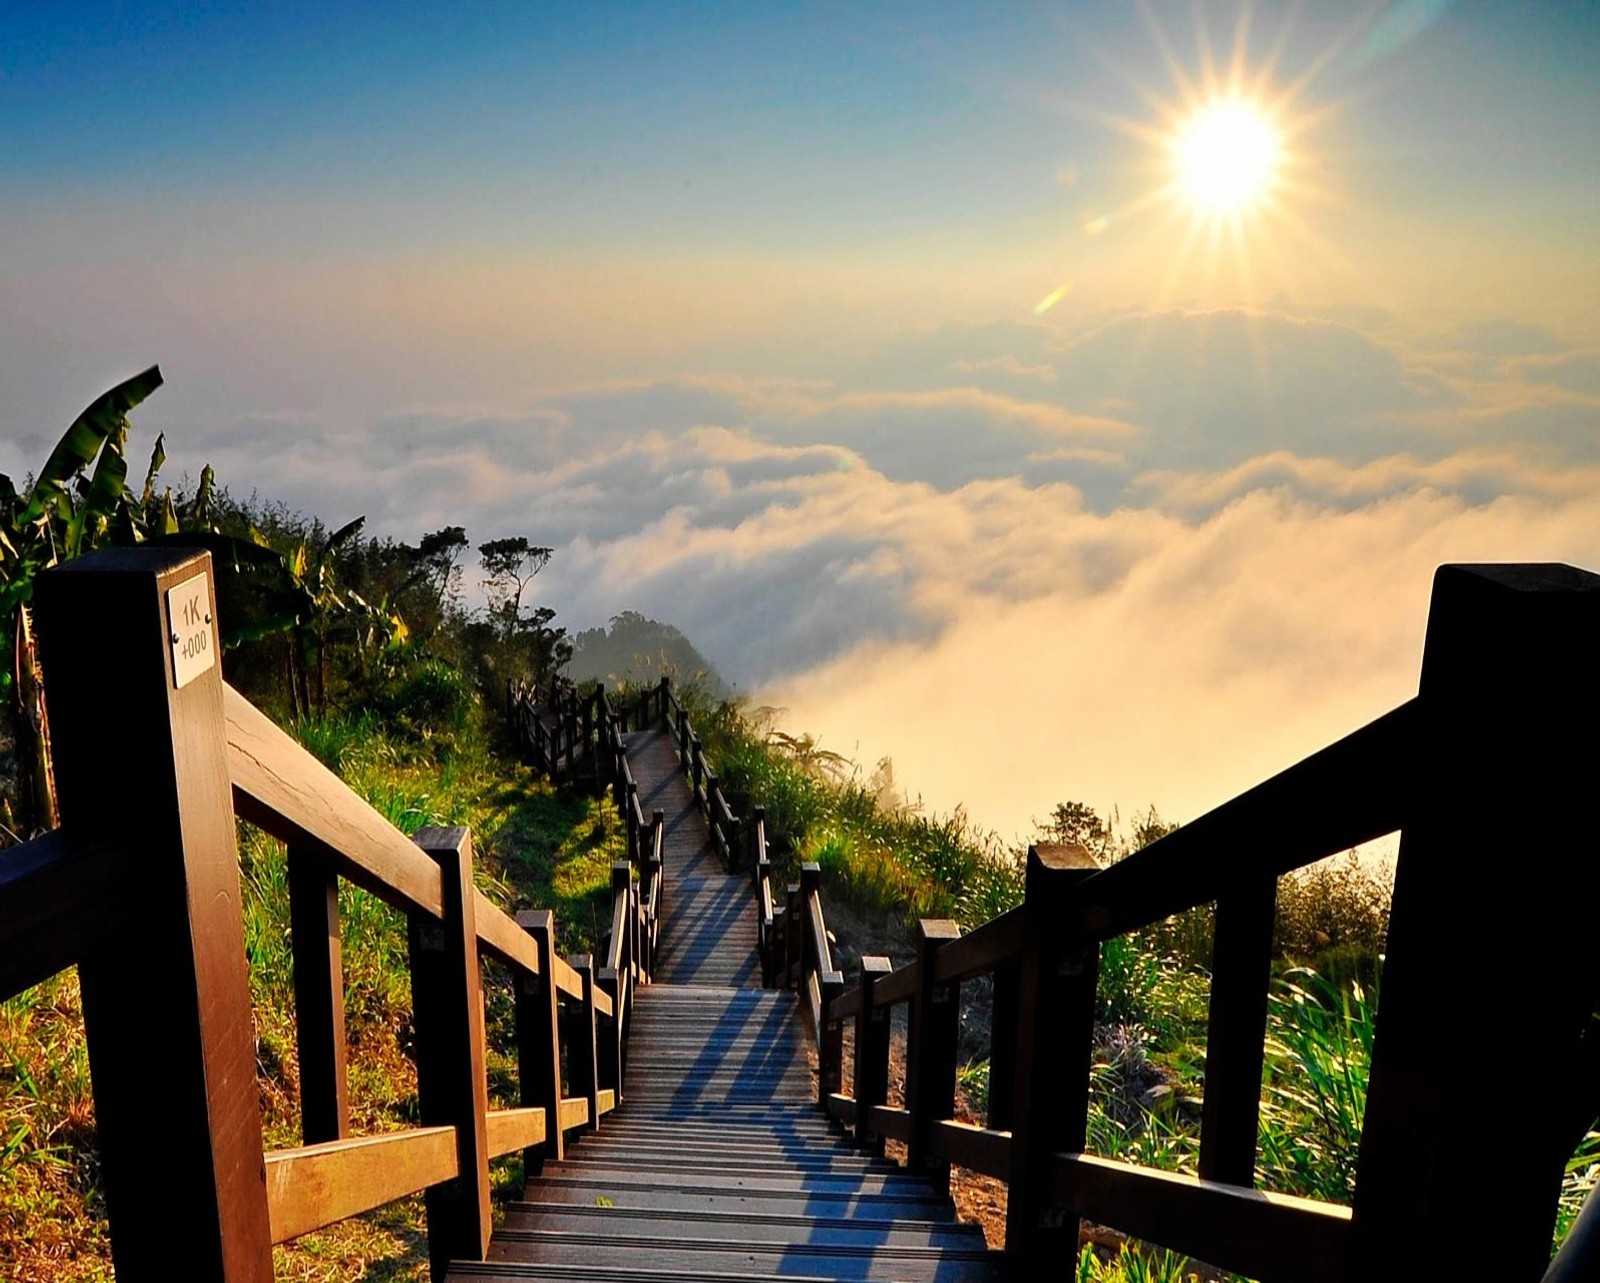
<point>1057,974</point>
<point>281,788</point>
<point>886,1120</point>
<point>931,1050</point>
<point>538,1019</point>
<point>842,1107</point>
<point>847,1006</point>
<point>997,941</point>
<point>574,1112</point>
<point>567,980</point>
<point>897,986</point>
<point>608,1101</point>
<point>499,933</point>
<point>318,995</point>
<point>60,895</point>
<point>976,1148</point>
<point>1272,1238</point>
<point>1241,971</point>
<point>447,1012</point>
<point>509,1129</point>
<point>177,931</point>
<point>317,1185</point>
<point>1279,825</point>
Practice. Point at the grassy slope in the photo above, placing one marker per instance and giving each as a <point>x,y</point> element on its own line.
<point>534,847</point>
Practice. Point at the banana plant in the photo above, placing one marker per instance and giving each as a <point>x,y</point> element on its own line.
<point>80,500</point>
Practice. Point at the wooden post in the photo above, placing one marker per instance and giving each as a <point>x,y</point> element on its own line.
<point>872,1053</point>
<point>318,995</point>
<point>683,738</point>
<point>539,1041</point>
<point>608,1035</point>
<point>452,1090</point>
<point>1002,1046</point>
<point>793,929</point>
<point>830,1040</point>
<point>697,782</point>
<point>734,838</point>
<point>931,1051</point>
<point>755,837</point>
<point>1058,970</point>
<point>166,996</point>
<point>1510,697</point>
<point>1241,971</point>
<point>583,1058</point>
<point>664,692</point>
<point>631,805</point>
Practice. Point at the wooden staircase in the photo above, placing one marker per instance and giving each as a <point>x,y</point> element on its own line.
<point>718,1163</point>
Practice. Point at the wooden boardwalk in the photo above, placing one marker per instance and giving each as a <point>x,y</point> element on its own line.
<point>708,931</point>
<point>718,1164</point>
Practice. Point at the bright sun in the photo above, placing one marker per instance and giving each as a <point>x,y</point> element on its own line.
<point>1226,156</point>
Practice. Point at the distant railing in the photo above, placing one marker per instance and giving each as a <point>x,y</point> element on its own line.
<point>1491,937</point>
<point>140,890</point>
<point>737,839</point>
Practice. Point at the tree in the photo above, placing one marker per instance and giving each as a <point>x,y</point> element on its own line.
<point>1075,823</point>
<point>527,644</point>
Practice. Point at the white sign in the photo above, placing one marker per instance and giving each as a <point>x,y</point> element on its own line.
<point>194,641</point>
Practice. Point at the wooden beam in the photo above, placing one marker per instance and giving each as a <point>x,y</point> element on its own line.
<point>499,933</point>
<point>510,1129</point>
<point>283,789</point>
<point>996,942</point>
<point>977,1148</point>
<point>1272,1238</point>
<point>317,1185</point>
<point>60,895</point>
<point>574,1112</point>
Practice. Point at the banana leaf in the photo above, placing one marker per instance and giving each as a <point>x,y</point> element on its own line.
<point>82,441</point>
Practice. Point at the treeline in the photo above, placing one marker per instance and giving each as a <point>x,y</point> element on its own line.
<point>315,619</point>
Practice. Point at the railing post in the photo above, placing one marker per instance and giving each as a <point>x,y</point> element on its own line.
<point>539,1041</point>
<point>630,802</point>
<point>658,880</point>
<point>583,1058</point>
<point>1509,699</point>
<point>1002,1046</point>
<point>931,1050</point>
<point>792,970</point>
<point>166,996</point>
<point>452,1090</point>
<point>872,1053</point>
<point>683,738</point>
<point>1241,972</point>
<point>697,779</point>
<point>608,1037</point>
<point>318,995</point>
<point>1058,971</point>
<point>663,693</point>
<point>755,836</point>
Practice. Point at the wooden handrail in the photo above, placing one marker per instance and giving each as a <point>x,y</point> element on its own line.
<point>281,788</point>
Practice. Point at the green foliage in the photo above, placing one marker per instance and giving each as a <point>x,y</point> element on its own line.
<point>1133,1265</point>
<point>1319,1054</point>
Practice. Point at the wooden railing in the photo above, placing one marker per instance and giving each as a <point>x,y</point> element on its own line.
<point>737,839</point>
<point>1491,937</point>
<point>140,889</point>
<point>556,727</point>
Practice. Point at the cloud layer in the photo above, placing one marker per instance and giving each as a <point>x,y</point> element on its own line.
<point>1151,557</point>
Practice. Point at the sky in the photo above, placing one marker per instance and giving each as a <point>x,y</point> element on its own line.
<point>897,353</point>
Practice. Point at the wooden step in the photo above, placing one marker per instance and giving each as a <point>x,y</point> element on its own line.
<point>768,1227</point>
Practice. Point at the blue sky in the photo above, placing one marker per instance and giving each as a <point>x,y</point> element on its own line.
<point>741,308</point>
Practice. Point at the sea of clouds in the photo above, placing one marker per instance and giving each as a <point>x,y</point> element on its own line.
<point>1142,557</point>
